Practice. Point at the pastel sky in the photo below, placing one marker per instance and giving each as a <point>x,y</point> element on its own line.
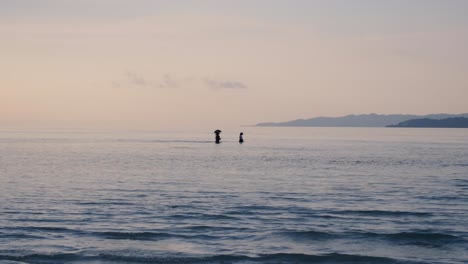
<point>154,64</point>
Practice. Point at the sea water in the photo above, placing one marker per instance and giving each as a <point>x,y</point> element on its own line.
<point>287,195</point>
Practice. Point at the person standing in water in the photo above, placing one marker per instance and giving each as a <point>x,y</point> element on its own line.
<point>241,137</point>
<point>217,138</point>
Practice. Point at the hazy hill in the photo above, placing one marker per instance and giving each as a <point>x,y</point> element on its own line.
<point>454,122</point>
<point>370,120</point>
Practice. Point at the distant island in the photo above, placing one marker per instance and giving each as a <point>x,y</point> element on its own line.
<point>454,122</point>
<point>368,120</point>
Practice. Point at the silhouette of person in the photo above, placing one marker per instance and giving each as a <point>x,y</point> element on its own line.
<point>241,137</point>
<point>218,138</point>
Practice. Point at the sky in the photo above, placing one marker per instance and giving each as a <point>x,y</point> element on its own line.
<point>204,64</point>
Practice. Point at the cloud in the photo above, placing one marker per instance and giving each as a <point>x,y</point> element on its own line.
<point>132,79</point>
<point>168,81</point>
<point>225,84</point>
<point>137,80</point>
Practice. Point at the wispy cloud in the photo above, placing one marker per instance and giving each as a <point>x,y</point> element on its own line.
<point>225,84</point>
<point>132,79</point>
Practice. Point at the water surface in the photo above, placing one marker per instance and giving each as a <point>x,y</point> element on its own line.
<point>287,195</point>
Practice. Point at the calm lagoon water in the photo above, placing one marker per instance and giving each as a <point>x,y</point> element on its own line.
<point>287,195</point>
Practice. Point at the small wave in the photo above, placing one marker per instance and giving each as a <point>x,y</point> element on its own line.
<point>255,207</point>
<point>253,210</point>
<point>152,236</point>
<point>309,235</point>
<point>48,258</point>
<point>461,183</point>
<point>19,236</point>
<point>45,229</point>
<point>410,238</point>
<point>439,198</point>
<point>383,213</point>
<point>422,238</point>
<point>22,213</point>
<point>218,217</point>
<point>243,213</point>
<point>285,258</point>
<point>266,258</point>
<point>215,228</point>
<point>204,216</point>
<point>328,258</point>
<point>43,220</point>
<point>134,235</point>
<point>38,231</point>
<point>105,203</point>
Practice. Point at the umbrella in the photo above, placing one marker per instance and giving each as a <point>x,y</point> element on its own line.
<point>217,131</point>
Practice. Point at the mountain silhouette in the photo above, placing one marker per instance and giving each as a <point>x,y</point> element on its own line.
<point>454,122</point>
<point>367,120</point>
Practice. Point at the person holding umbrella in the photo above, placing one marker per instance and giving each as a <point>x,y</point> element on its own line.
<point>241,137</point>
<point>218,138</point>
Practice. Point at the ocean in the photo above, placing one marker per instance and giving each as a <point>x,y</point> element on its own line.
<point>287,195</point>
